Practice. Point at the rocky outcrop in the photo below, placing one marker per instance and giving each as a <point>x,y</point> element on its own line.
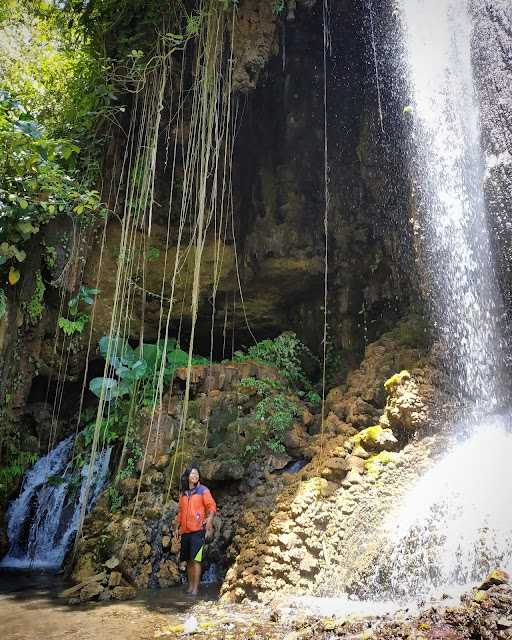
<point>335,504</point>
<point>129,533</point>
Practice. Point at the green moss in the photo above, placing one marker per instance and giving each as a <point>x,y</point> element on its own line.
<point>369,437</point>
<point>395,380</point>
<point>34,307</point>
<point>375,464</point>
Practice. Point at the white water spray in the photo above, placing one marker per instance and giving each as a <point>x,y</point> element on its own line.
<point>449,192</point>
<point>455,525</point>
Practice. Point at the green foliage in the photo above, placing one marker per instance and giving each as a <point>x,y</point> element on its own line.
<point>111,429</point>
<point>34,308</point>
<point>284,353</point>
<point>138,369</point>
<point>313,397</point>
<point>38,180</point>
<point>278,7</point>
<point>115,499</point>
<point>3,303</point>
<point>261,387</point>
<point>19,461</point>
<point>77,319</point>
<point>274,415</point>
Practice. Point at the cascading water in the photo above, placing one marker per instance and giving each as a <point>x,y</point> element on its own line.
<point>449,192</point>
<point>455,524</point>
<point>44,518</point>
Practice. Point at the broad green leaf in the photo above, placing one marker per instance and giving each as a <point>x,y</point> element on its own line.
<point>177,358</point>
<point>112,388</point>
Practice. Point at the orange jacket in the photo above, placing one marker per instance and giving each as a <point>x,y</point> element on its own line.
<point>193,506</point>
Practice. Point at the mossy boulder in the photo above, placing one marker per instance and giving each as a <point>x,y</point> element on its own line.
<point>374,465</point>
<point>373,439</point>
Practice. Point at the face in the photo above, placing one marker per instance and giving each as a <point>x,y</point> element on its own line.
<point>194,476</point>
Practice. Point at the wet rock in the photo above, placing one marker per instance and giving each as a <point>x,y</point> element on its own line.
<point>405,407</point>
<point>168,574</point>
<point>373,439</point>
<point>496,577</point>
<point>124,593</point>
<point>91,591</point>
<point>112,562</point>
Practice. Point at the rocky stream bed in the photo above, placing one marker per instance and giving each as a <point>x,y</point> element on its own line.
<point>30,609</point>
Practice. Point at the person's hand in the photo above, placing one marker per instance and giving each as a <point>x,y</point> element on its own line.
<point>209,530</point>
<point>176,535</point>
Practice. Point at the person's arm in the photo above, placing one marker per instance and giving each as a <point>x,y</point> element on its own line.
<point>176,533</point>
<point>211,509</point>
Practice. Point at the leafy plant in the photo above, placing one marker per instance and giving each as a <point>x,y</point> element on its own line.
<point>37,181</point>
<point>132,368</point>
<point>274,415</point>
<point>76,320</point>
<point>34,308</point>
<point>3,303</point>
<point>19,462</point>
<point>283,352</point>
<point>115,499</point>
<point>278,7</point>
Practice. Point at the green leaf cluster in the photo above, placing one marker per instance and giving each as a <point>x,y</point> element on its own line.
<point>38,180</point>
<point>77,319</point>
<point>34,307</point>
<point>18,462</point>
<point>283,352</point>
<point>274,415</point>
<point>130,368</point>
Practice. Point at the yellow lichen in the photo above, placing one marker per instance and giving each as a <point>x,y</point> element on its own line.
<point>375,464</point>
<point>395,380</point>
<point>370,437</point>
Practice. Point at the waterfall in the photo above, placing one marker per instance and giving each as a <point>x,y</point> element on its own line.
<point>42,521</point>
<point>455,524</point>
<point>448,171</point>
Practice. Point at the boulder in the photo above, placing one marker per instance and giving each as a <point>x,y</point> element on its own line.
<point>373,439</point>
<point>91,591</point>
<point>124,593</point>
<point>114,579</point>
<point>496,577</point>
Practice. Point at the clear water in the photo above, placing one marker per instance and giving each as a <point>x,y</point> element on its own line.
<point>43,520</point>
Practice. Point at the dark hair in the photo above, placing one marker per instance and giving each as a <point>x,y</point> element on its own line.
<point>185,475</point>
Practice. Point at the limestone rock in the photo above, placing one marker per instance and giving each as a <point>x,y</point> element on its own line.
<point>114,579</point>
<point>168,574</point>
<point>405,408</point>
<point>373,439</point>
<point>124,593</point>
<point>496,577</point>
<point>91,591</point>
<point>112,562</point>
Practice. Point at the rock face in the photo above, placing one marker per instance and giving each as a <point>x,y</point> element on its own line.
<point>134,545</point>
<point>335,504</point>
<point>276,244</point>
<point>493,70</point>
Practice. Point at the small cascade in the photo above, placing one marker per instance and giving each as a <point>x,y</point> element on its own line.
<point>44,518</point>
